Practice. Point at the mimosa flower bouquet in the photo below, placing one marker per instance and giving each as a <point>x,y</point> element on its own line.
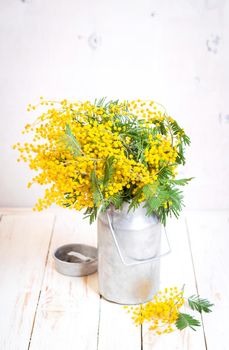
<point>93,155</point>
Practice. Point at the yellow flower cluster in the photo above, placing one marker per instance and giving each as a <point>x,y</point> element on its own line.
<point>162,312</point>
<point>65,160</point>
<point>160,152</point>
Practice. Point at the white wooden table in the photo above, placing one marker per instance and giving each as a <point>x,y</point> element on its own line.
<point>42,309</point>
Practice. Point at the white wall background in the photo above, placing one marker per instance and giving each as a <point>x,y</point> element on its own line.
<point>174,51</point>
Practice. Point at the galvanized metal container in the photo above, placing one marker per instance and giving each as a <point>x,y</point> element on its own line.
<point>128,255</point>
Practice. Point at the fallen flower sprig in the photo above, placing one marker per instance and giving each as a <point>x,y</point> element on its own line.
<point>163,312</point>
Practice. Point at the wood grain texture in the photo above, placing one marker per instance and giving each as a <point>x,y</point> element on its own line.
<point>68,312</point>
<point>209,238</point>
<point>58,311</point>
<point>23,250</point>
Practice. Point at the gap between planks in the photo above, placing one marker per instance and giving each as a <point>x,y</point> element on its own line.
<point>195,277</point>
<point>97,347</point>
<point>42,281</point>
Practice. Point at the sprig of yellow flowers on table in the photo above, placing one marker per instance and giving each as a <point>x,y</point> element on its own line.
<point>93,155</point>
<point>163,313</point>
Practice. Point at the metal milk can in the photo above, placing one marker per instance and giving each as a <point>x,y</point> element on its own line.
<point>129,255</point>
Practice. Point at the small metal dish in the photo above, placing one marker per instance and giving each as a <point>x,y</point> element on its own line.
<point>76,259</point>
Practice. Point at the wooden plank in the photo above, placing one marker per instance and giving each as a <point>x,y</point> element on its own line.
<point>68,311</point>
<point>15,211</point>
<point>29,211</point>
<point>24,242</point>
<point>209,237</point>
<point>117,331</point>
<point>176,270</point>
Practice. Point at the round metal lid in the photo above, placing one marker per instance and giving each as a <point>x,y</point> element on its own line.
<point>76,259</point>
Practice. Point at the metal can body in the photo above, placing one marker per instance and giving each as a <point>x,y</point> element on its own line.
<point>128,267</point>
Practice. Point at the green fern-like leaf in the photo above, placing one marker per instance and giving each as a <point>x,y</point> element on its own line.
<point>108,170</point>
<point>200,305</point>
<point>175,127</point>
<point>150,190</point>
<point>70,142</point>
<point>91,213</point>
<point>165,174</point>
<point>181,182</point>
<point>117,200</point>
<point>162,200</point>
<point>186,140</point>
<point>97,195</point>
<point>100,102</point>
<point>135,200</point>
<point>186,320</point>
